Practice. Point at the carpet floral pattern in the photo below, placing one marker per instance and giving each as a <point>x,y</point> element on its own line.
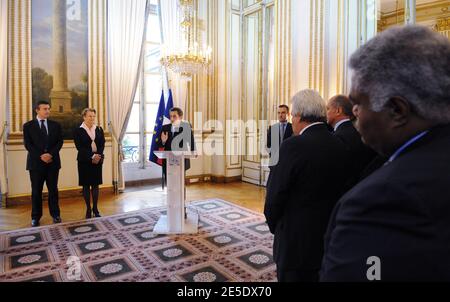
<point>233,245</point>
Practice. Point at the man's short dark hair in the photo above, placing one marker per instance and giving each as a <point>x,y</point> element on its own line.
<point>285,107</point>
<point>344,103</point>
<point>38,105</point>
<point>178,111</point>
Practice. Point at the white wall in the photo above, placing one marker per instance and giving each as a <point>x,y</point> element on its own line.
<point>220,54</point>
<point>346,25</point>
<point>300,44</point>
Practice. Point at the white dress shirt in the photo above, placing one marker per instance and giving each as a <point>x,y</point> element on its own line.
<point>45,123</point>
<point>336,127</point>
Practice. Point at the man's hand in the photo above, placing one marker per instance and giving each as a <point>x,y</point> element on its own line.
<point>96,159</point>
<point>47,158</point>
<point>164,137</point>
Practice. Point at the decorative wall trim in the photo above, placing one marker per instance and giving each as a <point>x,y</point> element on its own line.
<point>317,39</point>
<point>212,105</point>
<point>283,50</point>
<point>232,105</point>
<point>97,60</point>
<point>425,12</point>
<point>19,63</point>
<point>17,140</point>
<point>443,24</point>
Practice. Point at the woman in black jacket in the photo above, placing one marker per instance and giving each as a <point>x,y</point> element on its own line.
<point>90,142</point>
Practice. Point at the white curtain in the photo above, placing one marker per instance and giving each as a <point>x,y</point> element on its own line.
<point>170,26</point>
<point>3,88</point>
<point>126,29</point>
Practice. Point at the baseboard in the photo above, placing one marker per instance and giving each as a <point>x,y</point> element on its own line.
<point>198,179</point>
<point>212,178</point>
<point>63,194</point>
<point>151,182</point>
<point>142,183</point>
<point>225,180</point>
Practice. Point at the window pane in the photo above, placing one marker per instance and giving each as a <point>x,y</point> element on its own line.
<point>153,31</point>
<point>247,3</point>
<point>236,4</point>
<point>133,123</point>
<point>152,58</point>
<point>152,110</point>
<point>131,148</point>
<point>153,88</point>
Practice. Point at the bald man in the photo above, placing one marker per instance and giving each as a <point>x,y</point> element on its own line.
<point>340,117</point>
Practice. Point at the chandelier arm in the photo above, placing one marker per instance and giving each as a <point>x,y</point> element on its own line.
<point>191,60</point>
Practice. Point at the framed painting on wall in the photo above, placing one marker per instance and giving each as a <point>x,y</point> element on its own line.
<point>59,43</point>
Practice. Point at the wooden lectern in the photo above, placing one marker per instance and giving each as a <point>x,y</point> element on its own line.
<point>176,221</point>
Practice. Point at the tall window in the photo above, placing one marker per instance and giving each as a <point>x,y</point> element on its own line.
<point>138,138</point>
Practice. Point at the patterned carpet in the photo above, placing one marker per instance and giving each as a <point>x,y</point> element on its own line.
<point>233,244</point>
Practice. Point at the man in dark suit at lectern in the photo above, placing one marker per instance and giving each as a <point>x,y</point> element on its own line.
<point>177,136</point>
<point>43,140</point>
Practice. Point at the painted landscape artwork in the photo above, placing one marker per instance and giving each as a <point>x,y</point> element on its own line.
<point>60,59</point>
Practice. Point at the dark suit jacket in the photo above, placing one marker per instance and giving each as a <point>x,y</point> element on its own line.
<point>88,173</point>
<point>182,146</point>
<point>302,191</point>
<point>401,214</point>
<point>274,150</point>
<point>83,144</point>
<point>360,154</point>
<point>34,142</point>
<point>276,128</point>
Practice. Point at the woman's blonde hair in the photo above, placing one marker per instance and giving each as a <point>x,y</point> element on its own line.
<point>85,111</point>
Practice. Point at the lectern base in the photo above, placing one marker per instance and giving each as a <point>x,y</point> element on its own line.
<point>190,226</point>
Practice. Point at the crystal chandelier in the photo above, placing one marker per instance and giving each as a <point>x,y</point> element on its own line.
<point>191,59</point>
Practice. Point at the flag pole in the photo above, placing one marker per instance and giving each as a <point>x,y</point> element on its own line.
<point>163,180</point>
<point>165,76</point>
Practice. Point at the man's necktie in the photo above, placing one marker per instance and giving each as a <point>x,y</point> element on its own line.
<point>45,133</point>
<point>43,128</point>
<point>283,131</point>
